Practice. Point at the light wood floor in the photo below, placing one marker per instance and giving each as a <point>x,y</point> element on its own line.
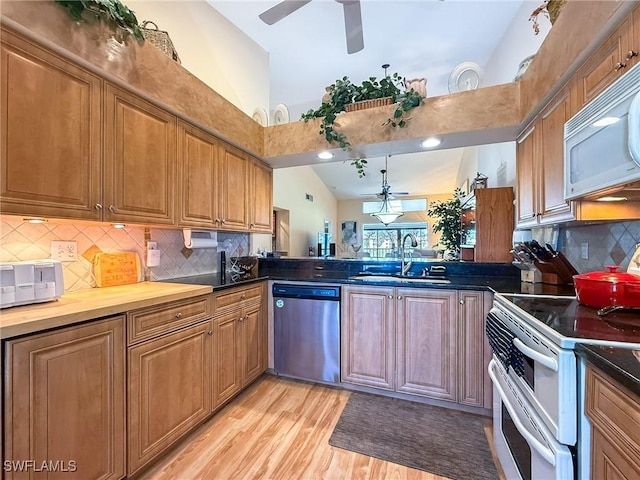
<point>276,429</point>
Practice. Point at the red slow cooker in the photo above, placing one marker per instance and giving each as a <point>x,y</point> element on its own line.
<point>606,289</point>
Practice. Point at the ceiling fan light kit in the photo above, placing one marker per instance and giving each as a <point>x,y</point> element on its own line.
<point>387,213</point>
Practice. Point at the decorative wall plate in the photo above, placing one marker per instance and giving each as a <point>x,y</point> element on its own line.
<point>466,76</point>
<point>281,115</point>
<point>260,116</point>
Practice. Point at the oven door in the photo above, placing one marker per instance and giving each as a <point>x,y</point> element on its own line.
<point>525,447</point>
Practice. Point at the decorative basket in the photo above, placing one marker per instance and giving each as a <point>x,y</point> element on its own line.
<point>159,39</point>
<point>364,104</point>
<point>554,7</point>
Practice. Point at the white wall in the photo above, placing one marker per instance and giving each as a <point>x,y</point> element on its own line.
<point>306,218</point>
<point>213,49</point>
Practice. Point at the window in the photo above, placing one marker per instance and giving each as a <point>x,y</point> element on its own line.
<point>384,242</point>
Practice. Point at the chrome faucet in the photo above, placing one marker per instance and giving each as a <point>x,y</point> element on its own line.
<point>405,266</point>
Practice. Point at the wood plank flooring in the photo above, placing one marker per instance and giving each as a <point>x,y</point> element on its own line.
<point>276,429</point>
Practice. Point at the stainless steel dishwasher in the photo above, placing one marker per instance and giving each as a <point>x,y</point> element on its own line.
<point>307,331</point>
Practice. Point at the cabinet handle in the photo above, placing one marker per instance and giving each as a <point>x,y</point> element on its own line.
<point>631,54</point>
<point>533,215</point>
<point>390,297</point>
<point>112,208</point>
<point>98,206</point>
<point>179,315</point>
<point>619,66</point>
<point>209,332</point>
<point>399,297</point>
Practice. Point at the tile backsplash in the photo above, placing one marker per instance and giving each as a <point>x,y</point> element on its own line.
<point>611,243</point>
<point>20,241</point>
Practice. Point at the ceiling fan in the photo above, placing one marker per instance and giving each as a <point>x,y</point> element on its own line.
<point>352,19</point>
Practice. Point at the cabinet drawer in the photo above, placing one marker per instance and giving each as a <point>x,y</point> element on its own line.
<point>236,298</point>
<point>154,321</point>
<point>614,411</point>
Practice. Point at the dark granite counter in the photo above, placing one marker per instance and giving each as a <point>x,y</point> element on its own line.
<point>623,365</point>
<point>217,281</point>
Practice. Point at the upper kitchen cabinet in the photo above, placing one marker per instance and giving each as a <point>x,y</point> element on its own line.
<point>51,134</point>
<point>540,166</point>
<point>233,193</point>
<point>140,158</point>
<point>261,188</point>
<point>197,179</point>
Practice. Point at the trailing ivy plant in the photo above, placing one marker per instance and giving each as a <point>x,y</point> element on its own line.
<point>343,92</point>
<point>113,9</point>
<point>448,221</point>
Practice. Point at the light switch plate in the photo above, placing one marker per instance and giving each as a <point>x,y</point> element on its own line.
<point>584,251</point>
<point>64,251</point>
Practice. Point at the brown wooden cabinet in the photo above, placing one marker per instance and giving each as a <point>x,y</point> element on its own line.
<point>51,159</point>
<point>233,199</point>
<point>368,336</point>
<point>197,177</point>
<point>64,400</point>
<point>140,160</point>
<point>169,375</point>
<point>261,188</point>
<point>240,340</point>
<point>540,167</point>
<point>615,428</point>
<point>426,342</point>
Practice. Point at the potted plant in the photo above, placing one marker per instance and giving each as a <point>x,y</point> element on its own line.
<point>448,215</point>
<point>550,9</point>
<point>113,10</point>
<point>343,95</point>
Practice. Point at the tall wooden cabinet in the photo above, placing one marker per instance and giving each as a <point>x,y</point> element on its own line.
<point>233,199</point>
<point>64,400</point>
<point>51,160</point>
<point>261,197</point>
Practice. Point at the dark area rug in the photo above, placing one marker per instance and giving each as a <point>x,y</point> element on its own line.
<point>434,439</point>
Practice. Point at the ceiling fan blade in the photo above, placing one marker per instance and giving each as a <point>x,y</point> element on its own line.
<point>281,10</point>
<point>398,193</point>
<point>353,25</point>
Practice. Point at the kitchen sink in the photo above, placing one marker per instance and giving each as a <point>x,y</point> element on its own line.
<point>402,279</point>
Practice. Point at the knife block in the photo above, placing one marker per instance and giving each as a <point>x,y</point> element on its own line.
<point>531,276</point>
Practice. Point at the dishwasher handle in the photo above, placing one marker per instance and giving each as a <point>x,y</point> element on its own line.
<point>319,292</point>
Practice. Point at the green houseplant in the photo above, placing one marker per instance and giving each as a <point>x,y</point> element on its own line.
<point>113,10</point>
<point>448,215</point>
<point>344,92</point>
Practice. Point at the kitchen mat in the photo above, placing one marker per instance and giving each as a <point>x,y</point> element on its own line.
<point>437,440</point>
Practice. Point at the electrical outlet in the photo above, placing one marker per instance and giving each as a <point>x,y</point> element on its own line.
<point>152,245</point>
<point>64,251</point>
<point>584,251</point>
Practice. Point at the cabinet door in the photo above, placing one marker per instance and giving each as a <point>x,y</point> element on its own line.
<point>368,336</point>
<point>227,357</point>
<point>169,390</point>
<point>634,53</point>
<point>552,205</point>
<point>51,161</point>
<point>426,345</point>
<point>140,160</point>
<point>197,178</point>
<point>252,343</point>
<point>605,65</point>
<point>608,460</point>
<point>526,151</point>
<point>472,366</point>
<point>64,400</point>
<point>261,197</point>
<point>234,191</point>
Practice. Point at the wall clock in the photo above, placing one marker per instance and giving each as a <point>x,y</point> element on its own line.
<point>466,76</point>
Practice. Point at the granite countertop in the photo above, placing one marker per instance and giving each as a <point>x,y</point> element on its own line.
<point>621,364</point>
<point>215,280</point>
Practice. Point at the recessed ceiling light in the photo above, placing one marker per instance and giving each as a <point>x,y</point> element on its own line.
<point>611,199</point>
<point>430,142</point>
<point>603,122</point>
<point>34,220</point>
<point>325,155</point>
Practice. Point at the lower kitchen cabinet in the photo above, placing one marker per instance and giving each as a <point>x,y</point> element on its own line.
<point>240,342</point>
<point>169,390</point>
<point>418,341</point>
<point>64,400</point>
<point>615,428</point>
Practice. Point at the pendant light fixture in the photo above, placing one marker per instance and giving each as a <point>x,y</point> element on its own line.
<point>387,213</point>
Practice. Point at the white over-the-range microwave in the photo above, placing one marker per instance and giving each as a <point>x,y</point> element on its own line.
<point>602,143</point>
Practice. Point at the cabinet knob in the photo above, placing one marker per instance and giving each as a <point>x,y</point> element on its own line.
<point>246,317</point>
<point>224,221</point>
<point>98,206</point>
<point>240,319</point>
<point>631,54</point>
<point>252,225</point>
<point>179,315</point>
<point>209,332</point>
<point>461,301</point>
<point>112,208</point>
<point>399,297</point>
<point>390,297</point>
<point>242,297</point>
<point>218,220</point>
<point>619,66</point>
